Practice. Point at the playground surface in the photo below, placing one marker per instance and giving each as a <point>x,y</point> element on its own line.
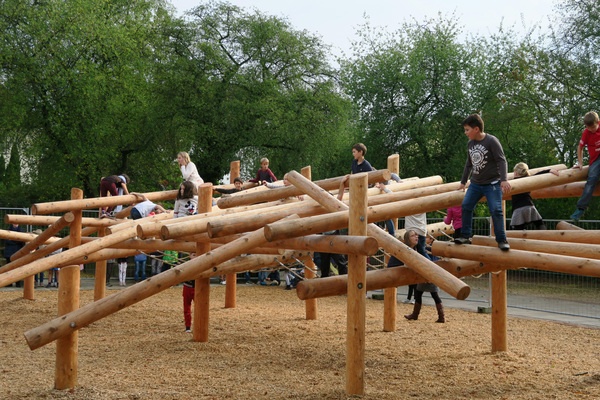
<point>266,349</point>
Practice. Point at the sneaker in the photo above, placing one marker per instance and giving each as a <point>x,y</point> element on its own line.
<point>504,246</point>
<point>577,214</point>
<point>249,283</point>
<point>188,330</point>
<point>288,287</point>
<point>263,283</point>
<point>462,240</point>
<point>223,283</point>
<point>407,301</point>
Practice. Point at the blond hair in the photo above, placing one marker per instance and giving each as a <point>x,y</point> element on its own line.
<point>521,169</point>
<point>264,159</point>
<point>185,156</point>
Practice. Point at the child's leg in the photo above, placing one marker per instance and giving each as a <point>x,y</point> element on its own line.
<point>188,297</point>
<point>493,194</point>
<point>472,197</point>
<point>590,185</point>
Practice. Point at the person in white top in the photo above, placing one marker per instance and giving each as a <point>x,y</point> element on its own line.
<point>188,169</point>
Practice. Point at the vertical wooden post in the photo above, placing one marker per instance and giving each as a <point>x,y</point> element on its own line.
<point>231,279</point>
<point>65,374</point>
<point>200,318</point>
<point>499,306</point>
<point>28,288</point>
<point>390,294</point>
<point>310,305</point>
<point>357,266</point>
<point>100,274</point>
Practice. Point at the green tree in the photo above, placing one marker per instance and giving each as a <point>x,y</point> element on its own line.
<point>79,72</point>
<point>408,86</point>
<point>247,85</point>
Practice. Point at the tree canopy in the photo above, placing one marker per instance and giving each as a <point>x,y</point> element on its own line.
<point>90,88</point>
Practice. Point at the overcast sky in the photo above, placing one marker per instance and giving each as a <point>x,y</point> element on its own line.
<point>336,20</point>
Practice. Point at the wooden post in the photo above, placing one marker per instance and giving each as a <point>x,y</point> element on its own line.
<point>65,374</point>
<point>499,304</point>
<point>28,288</point>
<point>356,306</point>
<point>231,279</point>
<point>390,295</point>
<point>200,319</point>
<point>311,307</point>
<point>100,274</point>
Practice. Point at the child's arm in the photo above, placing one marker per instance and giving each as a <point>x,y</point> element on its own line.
<point>140,197</point>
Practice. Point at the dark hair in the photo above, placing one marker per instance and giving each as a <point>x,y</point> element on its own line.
<point>360,147</point>
<point>407,236</point>
<point>189,190</point>
<point>474,121</point>
<point>238,179</point>
<point>590,119</point>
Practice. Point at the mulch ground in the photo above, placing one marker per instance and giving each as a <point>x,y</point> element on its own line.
<point>266,349</point>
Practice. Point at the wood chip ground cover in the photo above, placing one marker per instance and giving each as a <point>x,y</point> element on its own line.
<point>265,349</point>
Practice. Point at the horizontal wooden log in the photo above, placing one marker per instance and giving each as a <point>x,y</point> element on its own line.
<point>291,191</point>
<point>436,230</point>
<point>591,251</point>
<point>359,245</point>
<point>150,245</point>
<point>24,237</point>
<point>133,223</point>
<point>388,277</point>
<point>572,236</point>
<point>97,202</point>
<point>45,220</point>
<point>250,262</point>
<point>519,258</point>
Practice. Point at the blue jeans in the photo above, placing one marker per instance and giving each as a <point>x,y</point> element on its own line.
<point>140,270</point>
<point>590,185</point>
<point>262,276</point>
<point>493,194</point>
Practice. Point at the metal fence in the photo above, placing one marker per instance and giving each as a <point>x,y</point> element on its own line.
<point>527,288</point>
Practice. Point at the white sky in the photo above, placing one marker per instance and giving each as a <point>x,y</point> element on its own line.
<point>336,20</point>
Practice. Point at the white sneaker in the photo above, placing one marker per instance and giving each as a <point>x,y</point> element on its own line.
<point>223,282</point>
<point>407,301</point>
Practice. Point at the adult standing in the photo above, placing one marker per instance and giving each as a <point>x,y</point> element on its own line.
<point>116,185</point>
<point>188,169</point>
